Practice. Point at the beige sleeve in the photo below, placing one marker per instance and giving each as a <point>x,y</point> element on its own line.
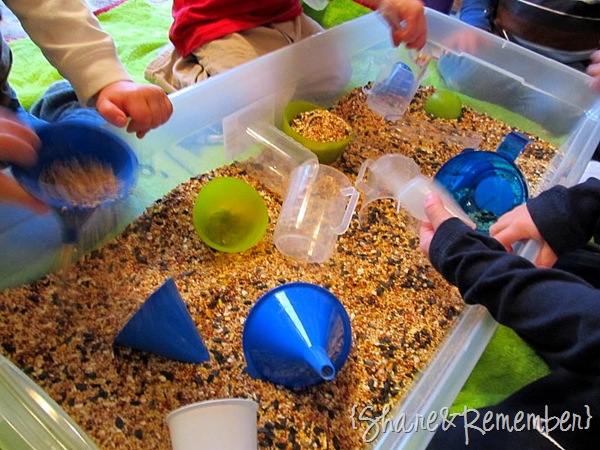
<point>72,40</point>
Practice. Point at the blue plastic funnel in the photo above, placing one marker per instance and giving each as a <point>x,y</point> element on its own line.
<point>163,326</point>
<point>296,335</point>
<point>486,184</point>
<point>74,140</point>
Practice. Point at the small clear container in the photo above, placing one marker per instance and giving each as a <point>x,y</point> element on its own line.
<point>396,85</point>
<point>317,209</point>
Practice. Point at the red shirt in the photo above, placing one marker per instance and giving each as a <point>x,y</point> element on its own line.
<point>197,22</point>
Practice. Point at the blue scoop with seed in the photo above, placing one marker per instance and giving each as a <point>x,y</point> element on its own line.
<point>487,184</point>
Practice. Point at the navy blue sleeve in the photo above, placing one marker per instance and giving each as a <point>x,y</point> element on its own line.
<point>567,218</point>
<point>557,313</point>
<point>478,13</point>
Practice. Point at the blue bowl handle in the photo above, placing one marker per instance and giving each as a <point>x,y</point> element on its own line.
<point>512,145</point>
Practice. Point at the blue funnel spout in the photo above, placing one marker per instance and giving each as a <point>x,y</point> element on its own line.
<point>319,360</point>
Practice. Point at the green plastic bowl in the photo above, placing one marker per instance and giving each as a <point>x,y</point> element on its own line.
<point>230,215</point>
<point>327,152</point>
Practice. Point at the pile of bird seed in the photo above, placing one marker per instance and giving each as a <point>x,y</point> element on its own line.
<point>320,125</point>
<point>60,329</point>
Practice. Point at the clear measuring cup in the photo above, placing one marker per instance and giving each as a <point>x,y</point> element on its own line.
<point>317,208</point>
<point>396,85</point>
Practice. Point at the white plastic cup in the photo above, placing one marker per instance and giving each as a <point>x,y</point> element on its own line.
<point>317,209</point>
<point>221,424</point>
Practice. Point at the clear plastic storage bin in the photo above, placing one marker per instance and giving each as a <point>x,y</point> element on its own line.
<point>321,69</point>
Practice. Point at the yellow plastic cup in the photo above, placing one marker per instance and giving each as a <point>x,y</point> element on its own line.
<point>230,215</point>
<point>327,152</point>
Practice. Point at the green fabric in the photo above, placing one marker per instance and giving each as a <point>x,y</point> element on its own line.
<point>506,365</point>
<point>338,11</point>
<point>140,29</point>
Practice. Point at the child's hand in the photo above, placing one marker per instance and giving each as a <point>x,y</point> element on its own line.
<point>407,20</point>
<point>18,145</point>
<point>140,107</point>
<point>594,70</point>
<point>436,214</point>
<point>516,226</point>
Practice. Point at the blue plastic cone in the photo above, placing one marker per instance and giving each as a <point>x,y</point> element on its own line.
<point>163,326</point>
<point>297,335</point>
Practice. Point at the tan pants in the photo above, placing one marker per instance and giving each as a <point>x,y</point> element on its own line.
<point>171,71</point>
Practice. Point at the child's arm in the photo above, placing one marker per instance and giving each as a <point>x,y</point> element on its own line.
<point>564,219</point>
<point>555,312</point>
<point>73,41</point>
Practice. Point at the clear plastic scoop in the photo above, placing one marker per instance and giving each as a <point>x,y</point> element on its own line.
<point>396,85</point>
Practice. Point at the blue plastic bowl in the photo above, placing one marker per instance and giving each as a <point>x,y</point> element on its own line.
<point>70,139</point>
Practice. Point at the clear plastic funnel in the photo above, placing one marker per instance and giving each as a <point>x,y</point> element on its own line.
<point>263,150</point>
<point>275,157</point>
